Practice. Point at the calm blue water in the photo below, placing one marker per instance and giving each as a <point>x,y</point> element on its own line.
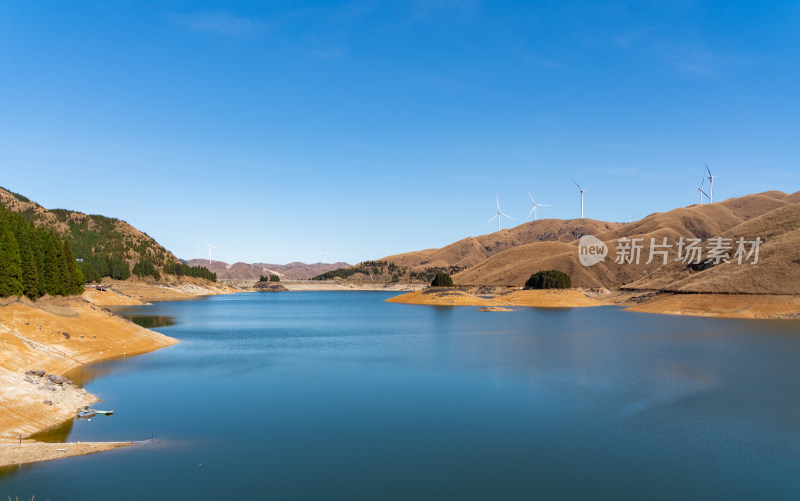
<point>338,395</point>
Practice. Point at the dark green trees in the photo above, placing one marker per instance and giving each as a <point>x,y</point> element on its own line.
<point>182,269</point>
<point>549,279</point>
<point>34,261</point>
<point>10,262</point>
<point>442,279</point>
<point>146,268</point>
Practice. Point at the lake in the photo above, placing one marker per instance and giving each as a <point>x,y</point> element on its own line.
<point>339,395</point>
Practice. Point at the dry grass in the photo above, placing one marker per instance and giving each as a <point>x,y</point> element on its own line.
<point>774,216</point>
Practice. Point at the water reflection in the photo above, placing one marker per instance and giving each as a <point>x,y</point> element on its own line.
<point>151,321</point>
<point>55,435</point>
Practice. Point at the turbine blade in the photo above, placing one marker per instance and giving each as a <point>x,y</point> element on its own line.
<point>498,202</point>
<point>531,212</point>
<point>544,205</point>
<point>509,217</point>
<point>532,200</point>
<point>576,184</point>
<point>489,221</point>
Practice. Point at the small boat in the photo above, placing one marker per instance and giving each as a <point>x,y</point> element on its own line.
<point>86,414</point>
<point>105,413</point>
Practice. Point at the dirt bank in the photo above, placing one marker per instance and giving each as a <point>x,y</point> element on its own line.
<point>31,452</point>
<point>705,305</point>
<point>718,305</point>
<point>539,298</point>
<point>139,292</point>
<point>443,297</point>
<point>56,335</point>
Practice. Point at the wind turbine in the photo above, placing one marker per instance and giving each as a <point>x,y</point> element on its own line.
<point>499,214</point>
<point>324,256</point>
<point>582,190</point>
<point>210,248</point>
<point>700,189</point>
<point>535,205</point>
<point>710,185</point>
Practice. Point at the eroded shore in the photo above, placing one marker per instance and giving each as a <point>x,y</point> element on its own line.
<point>42,341</point>
<point>766,306</point>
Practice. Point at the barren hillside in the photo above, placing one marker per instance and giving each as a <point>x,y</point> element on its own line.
<point>773,216</point>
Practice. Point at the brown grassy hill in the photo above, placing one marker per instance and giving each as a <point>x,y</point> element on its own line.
<point>776,272</point>
<point>470,251</point>
<point>90,233</point>
<point>771,215</point>
<point>245,271</point>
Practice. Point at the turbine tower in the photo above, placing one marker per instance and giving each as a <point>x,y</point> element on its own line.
<point>582,190</point>
<point>710,185</point>
<point>535,205</point>
<point>499,214</point>
<point>210,248</point>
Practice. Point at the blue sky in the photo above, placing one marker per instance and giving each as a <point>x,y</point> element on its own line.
<point>369,128</point>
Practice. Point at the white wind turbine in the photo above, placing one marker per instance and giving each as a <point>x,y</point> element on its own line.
<point>582,190</point>
<point>700,189</point>
<point>211,248</point>
<point>499,214</point>
<point>535,205</point>
<point>324,257</point>
<point>710,185</point>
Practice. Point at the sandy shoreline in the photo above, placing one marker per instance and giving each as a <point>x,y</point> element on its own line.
<point>59,335</point>
<point>31,452</point>
<point>764,306</point>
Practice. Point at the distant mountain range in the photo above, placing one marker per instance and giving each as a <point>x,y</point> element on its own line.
<point>510,256</point>
<point>245,271</point>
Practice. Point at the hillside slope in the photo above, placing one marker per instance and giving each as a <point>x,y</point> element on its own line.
<point>772,216</point>
<point>473,250</point>
<point>93,238</point>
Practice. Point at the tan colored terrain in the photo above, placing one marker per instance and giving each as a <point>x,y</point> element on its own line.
<point>31,452</point>
<point>57,335</point>
<point>772,216</point>
<point>551,298</point>
<point>443,297</point>
<point>139,291</point>
<point>473,250</point>
<point>723,305</point>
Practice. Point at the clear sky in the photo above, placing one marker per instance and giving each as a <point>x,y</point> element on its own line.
<point>368,128</point>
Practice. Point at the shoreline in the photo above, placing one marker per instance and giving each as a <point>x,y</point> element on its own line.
<point>59,335</point>
<point>742,306</point>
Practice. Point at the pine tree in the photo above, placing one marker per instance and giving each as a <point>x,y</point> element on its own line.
<point>30,276</point>
<point>10,263</point>
<point>38,254</point>
<point>50,264</point>
<point>75,286</point>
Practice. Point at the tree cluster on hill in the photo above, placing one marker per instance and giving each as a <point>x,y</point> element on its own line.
<point>103,246</point>
<point>180,269</point>
<point>549,279</point>
<point>271,278</point>
<point>442,279</point>
<point>35,261</point>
